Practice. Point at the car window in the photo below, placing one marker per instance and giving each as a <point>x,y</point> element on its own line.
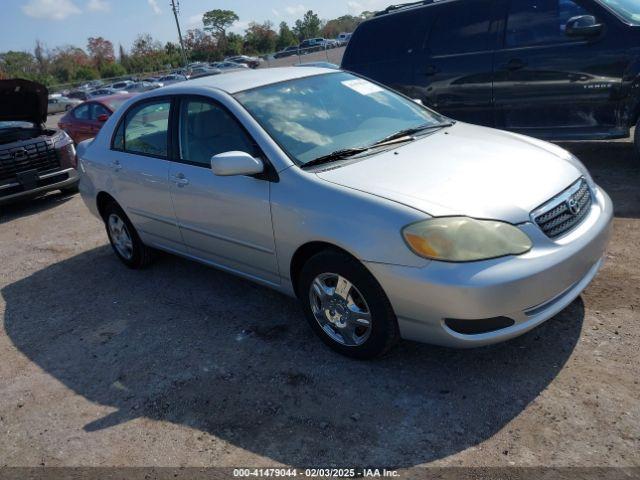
<point>540,22</point>
<point>82,112</point>
<point>461,27</point>
<point>98,110</point>
<point>207,129</point>
<point>387,38</point>
<point>144,130</point>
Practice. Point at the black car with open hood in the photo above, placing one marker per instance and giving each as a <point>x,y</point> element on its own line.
<point>33,158</point>
<point>23,100</point>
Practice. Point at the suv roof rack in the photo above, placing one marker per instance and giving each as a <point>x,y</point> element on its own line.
<point>402,6</point>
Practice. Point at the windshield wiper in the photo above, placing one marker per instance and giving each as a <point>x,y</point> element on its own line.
<point>350,152</point>
<point>407,132</point>
<point>337,155</point>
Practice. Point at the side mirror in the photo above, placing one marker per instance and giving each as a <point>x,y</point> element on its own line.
<point>583,26</point>
<point>236,163</point>
<point>103,117</point>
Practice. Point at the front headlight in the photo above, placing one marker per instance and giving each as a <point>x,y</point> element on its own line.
<point>464,239</point>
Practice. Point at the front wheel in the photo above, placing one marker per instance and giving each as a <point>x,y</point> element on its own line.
<point>124,239</point>
<point>346,306</point>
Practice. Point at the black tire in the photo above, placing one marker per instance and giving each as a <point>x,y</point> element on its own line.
<point>141,255</point>
<point>384,331</point>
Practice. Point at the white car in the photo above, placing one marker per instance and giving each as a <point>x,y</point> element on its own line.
<point>383,217</point>
<point>57,104</point>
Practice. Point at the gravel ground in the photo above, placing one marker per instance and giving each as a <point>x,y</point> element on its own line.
<point>181,365</point>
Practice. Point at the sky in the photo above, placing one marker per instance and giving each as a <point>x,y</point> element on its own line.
<point>71,22</point>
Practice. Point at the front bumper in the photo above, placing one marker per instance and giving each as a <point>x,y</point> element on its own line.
<point>528,289</point>
<point>64,178</point>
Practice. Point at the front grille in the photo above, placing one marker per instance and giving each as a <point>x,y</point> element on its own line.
<point>40,156</point>
<point>565,211</point>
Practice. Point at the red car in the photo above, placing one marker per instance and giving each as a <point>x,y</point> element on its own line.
<point>85,120</point>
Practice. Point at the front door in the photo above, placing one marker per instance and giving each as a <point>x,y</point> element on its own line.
<point>140,172</point>
<point>225,221</point>
<point>551,85</point>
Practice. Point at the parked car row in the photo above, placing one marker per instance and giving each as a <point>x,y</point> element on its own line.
<point>311,45</point>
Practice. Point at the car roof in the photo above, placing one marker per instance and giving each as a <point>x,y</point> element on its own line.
<point>246,79</point>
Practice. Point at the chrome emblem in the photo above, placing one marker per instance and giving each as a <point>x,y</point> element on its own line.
<point>573,206</point>
<point>20,154</point>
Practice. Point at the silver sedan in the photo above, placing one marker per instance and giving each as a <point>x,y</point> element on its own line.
<point>386,219</point>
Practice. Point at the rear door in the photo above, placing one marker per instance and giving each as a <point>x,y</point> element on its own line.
<point>140,169</point>
<point>551,85</point>
<point>454,74</point>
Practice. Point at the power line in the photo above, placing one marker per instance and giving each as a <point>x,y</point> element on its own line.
<point>175,6</point>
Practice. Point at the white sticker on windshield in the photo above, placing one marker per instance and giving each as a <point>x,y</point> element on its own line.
<point>362,86</point>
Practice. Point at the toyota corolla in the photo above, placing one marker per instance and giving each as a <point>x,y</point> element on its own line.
<point>386,219</point>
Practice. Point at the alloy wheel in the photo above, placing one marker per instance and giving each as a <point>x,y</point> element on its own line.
<point>340,309</point>
<point>120,236</point>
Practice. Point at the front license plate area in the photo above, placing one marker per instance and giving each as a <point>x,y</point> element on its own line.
<point>28,179</point>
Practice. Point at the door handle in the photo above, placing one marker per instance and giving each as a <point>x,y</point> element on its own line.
<point>515,64</point>
<point>431,70</point>
<point>180,180</point>
<point>117,166</point>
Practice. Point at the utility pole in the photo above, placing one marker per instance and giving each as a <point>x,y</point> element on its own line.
<point>175,6</point>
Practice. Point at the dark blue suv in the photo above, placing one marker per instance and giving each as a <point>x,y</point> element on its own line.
<point>553,69</point>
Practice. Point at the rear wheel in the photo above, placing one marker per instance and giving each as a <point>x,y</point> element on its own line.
<point>346,306</point>
<point>124,239</point>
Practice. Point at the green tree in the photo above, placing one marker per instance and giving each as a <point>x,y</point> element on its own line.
<point>100,51</point>
<point>67,61</point>
<point>308,26</point>
<point>201,46</point>
<point>234,45</point>
<point>217,21</point>
<point>18,64</point>
<point>260,38</point>
<point>286,37</point>
<point>346,23</point>
<point>112,69</point>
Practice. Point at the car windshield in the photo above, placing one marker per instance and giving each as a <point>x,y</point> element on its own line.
<point>627,9</point>
<point>316,116</point>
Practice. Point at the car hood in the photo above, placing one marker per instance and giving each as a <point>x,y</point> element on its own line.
<point>23,100</point>
<point>465,170</point>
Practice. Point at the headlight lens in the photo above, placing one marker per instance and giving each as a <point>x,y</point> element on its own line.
<point>464,239</point>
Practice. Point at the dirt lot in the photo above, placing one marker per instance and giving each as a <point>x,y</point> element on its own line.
<point>183,365</point>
